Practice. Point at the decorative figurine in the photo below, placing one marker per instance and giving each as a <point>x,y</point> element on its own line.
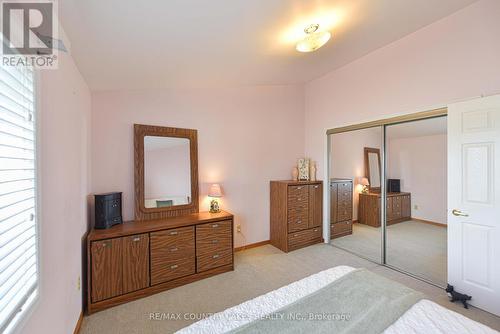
<point>303,166</point>
<point>295,173</point>
<point>312,171</point>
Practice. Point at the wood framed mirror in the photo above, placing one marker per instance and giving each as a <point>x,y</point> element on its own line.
<point>372,168</point>
<point>166,171</point>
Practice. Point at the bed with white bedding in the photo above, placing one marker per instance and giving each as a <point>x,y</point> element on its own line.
<point>258,314</point>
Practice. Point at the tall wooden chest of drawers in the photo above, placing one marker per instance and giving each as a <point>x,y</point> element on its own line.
<point>296,214</point>
<point>340,207</point>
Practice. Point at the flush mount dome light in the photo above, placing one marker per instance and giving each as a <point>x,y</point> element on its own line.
<point>313,40</point>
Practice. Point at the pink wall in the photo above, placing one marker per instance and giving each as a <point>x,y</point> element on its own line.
<point>247,136</point>
<point>455,58</point>
<point>64,119</point>
<point>421,164</point>
<point>167,172</point>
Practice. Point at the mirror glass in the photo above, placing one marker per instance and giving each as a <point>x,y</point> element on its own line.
<point>373,163</point>
<point>354,218</point>
<point>167,171</point>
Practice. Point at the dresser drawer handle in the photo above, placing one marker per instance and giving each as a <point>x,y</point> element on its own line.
<point>106,244</point>
<point>316,187</point>
<point>299,221</point>
<point>215,256</point>
<point>174,233</point>
<point>298,188</point>
<point>174,249</point>
<point>295,235</point>
<point>315,230</point>
<point>135,239</point>
<point>299,199</point>
<point>115,205</point>
<point>175,266</point>
<point>215,225</point>
<point>215,241</point>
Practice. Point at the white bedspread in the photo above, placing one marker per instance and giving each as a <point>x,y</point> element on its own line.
<point>430,318</point>
<point>424,317</point>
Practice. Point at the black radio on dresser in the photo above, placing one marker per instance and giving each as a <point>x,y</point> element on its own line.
<point>108,210</point>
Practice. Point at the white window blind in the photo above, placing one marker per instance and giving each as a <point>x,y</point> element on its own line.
<point>18,229</point>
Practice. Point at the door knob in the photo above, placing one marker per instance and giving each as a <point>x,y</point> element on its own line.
<point>456,212</point>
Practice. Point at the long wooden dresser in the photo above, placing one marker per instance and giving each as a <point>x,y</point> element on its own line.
<point>140,258</point>
<point>296,214</point>
<point>398,208</point>
<point>341,192</point>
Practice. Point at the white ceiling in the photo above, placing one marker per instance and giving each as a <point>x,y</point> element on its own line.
<point>133,44</point>
<point>426,127</point>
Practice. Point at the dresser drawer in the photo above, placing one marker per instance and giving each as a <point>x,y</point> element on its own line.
<point>213,260</point>
<point>172,244</point>
<point>214,230</point>
<point>299,239</point>
<point>341,228</point>
<point>167,270</point>
<point>210,241</point>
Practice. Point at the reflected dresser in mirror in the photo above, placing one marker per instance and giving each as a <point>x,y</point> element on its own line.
<point>341,192</point>
<point>170,243</point>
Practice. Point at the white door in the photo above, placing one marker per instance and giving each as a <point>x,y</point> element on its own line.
<point>474,200</point>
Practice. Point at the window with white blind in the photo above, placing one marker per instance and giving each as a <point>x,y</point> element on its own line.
<point>18,195</point>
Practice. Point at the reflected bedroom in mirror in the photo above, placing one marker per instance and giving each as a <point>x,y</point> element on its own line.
<point>167,176</point>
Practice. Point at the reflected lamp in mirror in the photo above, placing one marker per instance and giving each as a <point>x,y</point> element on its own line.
<point>364,183</point>
<point>214,193</point>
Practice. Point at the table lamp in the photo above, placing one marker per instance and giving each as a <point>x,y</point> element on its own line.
<point>214,192</point>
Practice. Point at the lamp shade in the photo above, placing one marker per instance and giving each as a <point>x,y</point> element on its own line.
<point>215,190</point>
<point>364,181</point>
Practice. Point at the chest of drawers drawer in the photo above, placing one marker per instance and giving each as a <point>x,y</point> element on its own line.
<point>305,237</point>
<point>341,228</point>
<point>298,198</point>
<point>298,221</point>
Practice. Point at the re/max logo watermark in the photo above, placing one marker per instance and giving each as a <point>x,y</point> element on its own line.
<point>29,32</point>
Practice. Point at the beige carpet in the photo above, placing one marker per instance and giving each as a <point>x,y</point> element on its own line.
<point>257,271</point>
<point>424,244</point>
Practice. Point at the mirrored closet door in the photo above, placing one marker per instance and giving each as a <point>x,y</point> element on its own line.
<point>355,191</point>
<point>388,194</point>
<point>416,205</point>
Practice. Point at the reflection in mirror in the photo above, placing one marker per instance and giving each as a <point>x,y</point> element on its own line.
<point>374,170</point>
<point>167,171</point>
<point>353,210</point>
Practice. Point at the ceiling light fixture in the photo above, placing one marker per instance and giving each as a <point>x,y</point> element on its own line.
<point>313,40</point>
